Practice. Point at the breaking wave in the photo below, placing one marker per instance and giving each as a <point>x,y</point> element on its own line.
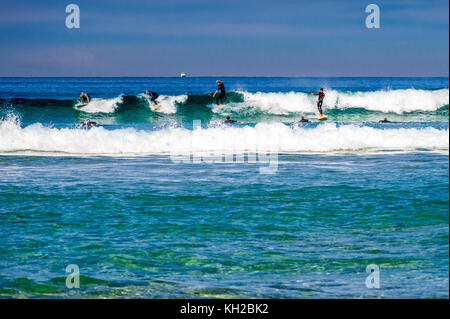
<point>270,137</point>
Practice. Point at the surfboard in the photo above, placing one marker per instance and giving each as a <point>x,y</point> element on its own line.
<point>322,118</point>
<point>211,106</point>
<point>81,105</point>
<point>154,106</point>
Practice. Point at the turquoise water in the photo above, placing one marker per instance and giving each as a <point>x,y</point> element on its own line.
<point>115,200</point>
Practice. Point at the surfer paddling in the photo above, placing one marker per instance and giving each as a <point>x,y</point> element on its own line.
<point>229,121</point>
<point>303,120</point>
<point>88,123</point>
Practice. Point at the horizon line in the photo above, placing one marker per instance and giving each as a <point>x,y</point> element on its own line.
<point>232,76</point>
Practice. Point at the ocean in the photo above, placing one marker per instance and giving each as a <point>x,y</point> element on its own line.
<point>174,203</point>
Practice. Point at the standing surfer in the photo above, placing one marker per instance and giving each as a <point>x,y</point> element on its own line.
<point>221,88</point>
<point>320,101</point>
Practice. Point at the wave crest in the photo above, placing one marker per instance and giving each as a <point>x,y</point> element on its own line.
<point>98,105</point>
<point>395,101</point>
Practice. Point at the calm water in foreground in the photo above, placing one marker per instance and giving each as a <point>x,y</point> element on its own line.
<point>148,227</point>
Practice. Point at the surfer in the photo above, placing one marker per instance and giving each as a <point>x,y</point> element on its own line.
<point>84,98</point>
<point>385,120</point>
<point>303,120</point>
<point>153,96</point>
<point>221,88</point>
<point>229,120</point>
<point>88,123</point>
<point>320,101</point>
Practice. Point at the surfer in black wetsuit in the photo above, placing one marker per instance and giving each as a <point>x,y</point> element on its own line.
<point>303,120</point>
<point>153,96</point>
<point>84,98</point>
<point>221,88</point>
<point>320,100</point>
<point>384,121</point>
<point>89,123</point>
<point>229,120</point>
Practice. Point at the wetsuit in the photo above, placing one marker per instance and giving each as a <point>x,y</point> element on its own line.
<point>222,93</point>
<point>304,121</point>
<point>84,99</point>
<point>320,102</point>
<point>153,96</point>
<point>89,123</point>
<point>384,121</point>
<point>230,121</point>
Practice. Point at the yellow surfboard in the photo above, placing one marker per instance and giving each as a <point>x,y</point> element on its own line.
<point>155,106</point>
<point>81,105</point>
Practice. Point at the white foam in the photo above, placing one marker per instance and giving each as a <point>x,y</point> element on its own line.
<point>276,136</point>
<point>167,102</point>
<point>97,105</point>
<point>397,101</point>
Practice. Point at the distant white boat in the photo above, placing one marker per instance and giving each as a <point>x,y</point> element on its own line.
<point>183,75</point>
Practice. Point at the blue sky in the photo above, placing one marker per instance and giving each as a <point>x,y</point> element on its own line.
<point>231,37</point>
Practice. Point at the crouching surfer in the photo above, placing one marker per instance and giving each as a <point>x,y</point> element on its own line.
<point>84,99</point>
<point>153,96</point>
